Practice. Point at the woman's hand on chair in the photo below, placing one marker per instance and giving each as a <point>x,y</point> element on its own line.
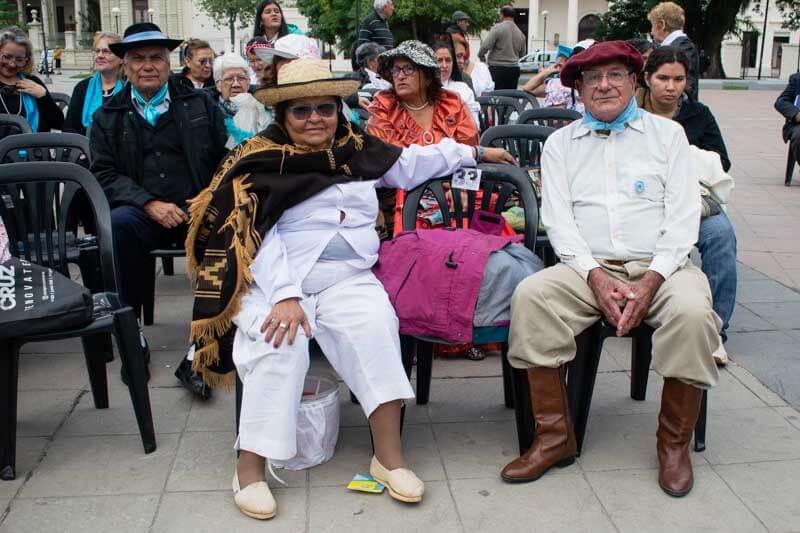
<point>498,155</point>
<point>283,322</point>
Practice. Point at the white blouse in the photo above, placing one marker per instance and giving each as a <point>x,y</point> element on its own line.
<point>292,247</point>
<point>482,80</point>
<point>467,96</point>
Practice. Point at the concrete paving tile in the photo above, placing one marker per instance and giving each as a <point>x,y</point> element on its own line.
<point>479,450</point>
<point>54,347</point>
<point>612,395</point>
<point>636,503</point>
<point>464,400</point>
<point>769,490</point>
<point>746,273</point>
<point>170,408</point>
<point>39,412</point>
<point>794,274</point>
<point>765,291</point>
<point>771,356</point>
<point>464,368</point>
<point>750,435</point>
<point>212,512</point>
<point>218,413</point>
<point>745,320</point>
<point>121,514</point>
<point>354,452</point>
<point>88,466</point>
<point>163,364</point>
<point>52,372</point>
<point>563,503</point>
<point>787,261</point>
<point>789,413</point>
<point>752,383</point>
<point>622,442</point>
<point>336,509</point>
<point>759,258</point>
<point>29,449</point>
<point>352,415</point>
<point>206,460</point>
<point>785,315</point>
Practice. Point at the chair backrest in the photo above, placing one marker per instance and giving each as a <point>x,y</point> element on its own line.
<point>498,110</point>
<point>13,124</point>
<point>36,216</point>
<point>500,185</point>
<point>524,142</point>
<point>553,117</point>
<point>367,93</point>
<point>61,147</point>
<point>62,101</point>
<point>528,100</point>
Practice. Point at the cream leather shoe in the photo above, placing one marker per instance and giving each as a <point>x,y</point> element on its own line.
<point>255,500</point>
<point>403,484</point>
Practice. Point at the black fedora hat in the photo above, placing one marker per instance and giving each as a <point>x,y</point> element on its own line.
<point>143,34</point>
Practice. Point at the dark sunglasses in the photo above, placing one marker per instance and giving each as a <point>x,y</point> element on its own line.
<point>303,111</point>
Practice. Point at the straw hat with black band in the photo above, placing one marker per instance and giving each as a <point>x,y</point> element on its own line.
<point>140,35</point>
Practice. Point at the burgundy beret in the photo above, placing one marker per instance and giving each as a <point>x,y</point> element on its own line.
<point>598,54</point>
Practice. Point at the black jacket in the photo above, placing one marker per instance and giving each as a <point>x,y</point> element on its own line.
<point>785,105</point>
<point>116,153</point>
<point>690,49</point>
<point>181,79</point>
<point>50,115</point>
<point>702,130</point>
<point>74,121</point>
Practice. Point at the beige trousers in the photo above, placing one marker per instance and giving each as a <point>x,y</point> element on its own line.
<point>554,305</point>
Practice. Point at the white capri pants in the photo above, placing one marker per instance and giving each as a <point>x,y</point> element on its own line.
<point>357,329</point>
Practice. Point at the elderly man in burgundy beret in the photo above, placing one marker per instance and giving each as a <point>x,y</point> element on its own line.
<point>619,202</point>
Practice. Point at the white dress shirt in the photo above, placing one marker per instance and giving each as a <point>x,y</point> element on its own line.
<point>292,247</point>
<point>467,96</point>
<point>481,78</point>
<point>671,37</point>
<point>629,195</point>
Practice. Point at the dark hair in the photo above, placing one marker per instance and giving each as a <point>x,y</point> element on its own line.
<point>193,45</point>
<point>258,26</point>
<point>455,75</point>
<point>641,45</point>
<point>669,54</point>
<point>508,12</point>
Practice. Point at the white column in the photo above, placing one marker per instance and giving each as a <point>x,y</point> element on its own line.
<point>572,22</point>
<point>533,25</point>
<point>77,17</point>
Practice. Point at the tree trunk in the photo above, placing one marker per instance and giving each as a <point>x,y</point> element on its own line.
<point>20,12</point>
<point>720,18</point>
<point>414,28</point>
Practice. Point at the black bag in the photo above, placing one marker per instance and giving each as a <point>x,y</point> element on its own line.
<point>37,299</point>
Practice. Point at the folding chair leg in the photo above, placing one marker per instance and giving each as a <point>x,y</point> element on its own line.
<point>508,379</point>
<point>700,427</point>
<point>94,351</point>
<point>408,347</point>
<point>9,374</point>
<point>168,265</point>
<point>239,393</point>
<point>424,371</point>
<point>132,357</point>
<point>523,409</point>
<point>790,162</point>
<point>641,355</point>
<point>148,295</point>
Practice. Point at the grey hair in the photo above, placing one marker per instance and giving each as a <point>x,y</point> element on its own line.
<point>379,4</point>
<point>366,52</point>
<point>12,34</point>
<point>229,60</point>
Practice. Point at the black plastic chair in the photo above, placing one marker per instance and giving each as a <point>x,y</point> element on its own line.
<point>553,117</point>
<point>581,374</point>
<point>503,181</point>
<point>51,146</point>
<point>33,213</point>
<point>497,110</point>
<point>525,142</point>
<point>148,296</point>
<point>524,97</point>
<point>62,101</point>
<point>790,164</point>
<point>13,125</point>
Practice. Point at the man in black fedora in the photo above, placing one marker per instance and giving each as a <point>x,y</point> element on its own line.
<point>155,145</point>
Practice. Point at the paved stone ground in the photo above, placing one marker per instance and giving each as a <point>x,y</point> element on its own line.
<point>82,469</point>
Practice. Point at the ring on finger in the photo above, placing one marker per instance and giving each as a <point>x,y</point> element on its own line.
<point>283,325</point>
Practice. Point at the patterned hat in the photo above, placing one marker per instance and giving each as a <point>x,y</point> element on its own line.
<point>418,53</point>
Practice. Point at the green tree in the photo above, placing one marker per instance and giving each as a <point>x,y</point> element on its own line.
<point>230,13</point>
<point>334,21</point>
<point>625,19</point>
<point>9,14</point>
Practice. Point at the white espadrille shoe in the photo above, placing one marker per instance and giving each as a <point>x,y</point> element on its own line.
<point>403,484</point>
<point>255,500</point>
<point>720,355</point>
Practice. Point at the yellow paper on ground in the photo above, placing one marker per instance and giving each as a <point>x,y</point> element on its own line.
<point>364,483</point>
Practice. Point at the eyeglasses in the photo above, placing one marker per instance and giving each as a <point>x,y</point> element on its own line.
<point>17,60</point>
<point>406,70</point>
<point>205,61</point>
<point>303,111</point>
<point>241,80</point>
<point>102,52</point>
<point>593,78</point>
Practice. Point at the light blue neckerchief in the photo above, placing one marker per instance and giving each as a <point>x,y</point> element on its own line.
<point>31,109</point>
<point>149,110</point>
<point>631,113</point>
<point>94,98</point>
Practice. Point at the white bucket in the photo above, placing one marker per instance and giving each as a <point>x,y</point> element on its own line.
<point>317,424</point>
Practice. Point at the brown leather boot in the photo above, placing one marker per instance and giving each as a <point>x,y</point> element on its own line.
<point>680,407</point>
<point>554,436</point>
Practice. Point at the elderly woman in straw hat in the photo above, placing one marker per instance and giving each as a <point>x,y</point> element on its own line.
<point>281,245</point>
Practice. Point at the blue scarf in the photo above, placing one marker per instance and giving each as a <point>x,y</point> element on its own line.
<point>631,113</point>
<point>149,110</point>
<point>31,109</point>
<point>94,98</point>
